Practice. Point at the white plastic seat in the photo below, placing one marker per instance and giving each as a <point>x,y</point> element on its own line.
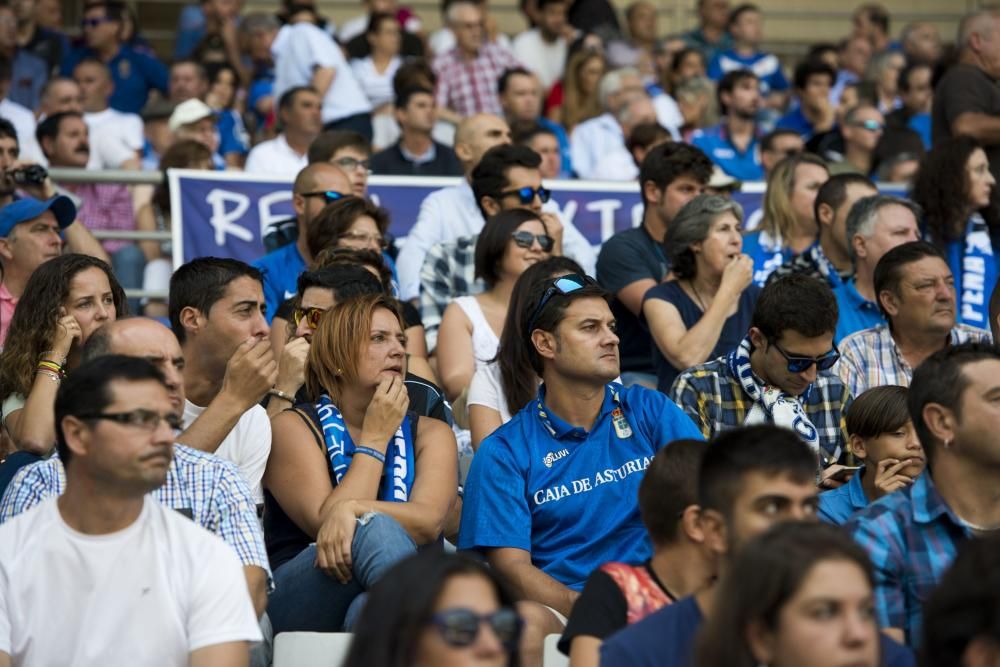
<point>311,649</point>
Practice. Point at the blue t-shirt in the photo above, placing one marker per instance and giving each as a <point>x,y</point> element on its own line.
<point>837,505</point>
<point>568,496</point>
<point>766,253</point>
<point>566,166</point>
<point>921,124</point>
<point>281,269</point>
<point>766,66</point>
<point>796,121</point>
<point>233,136</point>
<point>715,142</point>
<point>134,75</point>
<point>855,311</point>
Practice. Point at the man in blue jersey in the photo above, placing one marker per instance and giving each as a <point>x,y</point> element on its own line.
<point>315,186</point>
<point>746,25</point>
<point>552,494</point>
<point>732,144</point>
<point>750,479</point>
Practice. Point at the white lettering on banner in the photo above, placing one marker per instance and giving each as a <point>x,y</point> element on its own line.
<point>584,484</point>
<point>266,212</point>
<point>973,287</point>
<point>605,208</point>
<point>223,220</point>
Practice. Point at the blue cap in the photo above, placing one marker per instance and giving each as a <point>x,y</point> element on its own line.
<point>28,208</point>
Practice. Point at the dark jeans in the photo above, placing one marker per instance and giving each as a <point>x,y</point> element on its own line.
<point>360,123</point>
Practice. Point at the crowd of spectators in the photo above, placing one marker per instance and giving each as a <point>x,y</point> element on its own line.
<point>719,437</point>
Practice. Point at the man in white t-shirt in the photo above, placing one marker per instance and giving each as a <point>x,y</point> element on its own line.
<point>288,153</point>
<point>543,48</point>
<point>116,138</point>
<point>217,313</point>
<point>103,574</point>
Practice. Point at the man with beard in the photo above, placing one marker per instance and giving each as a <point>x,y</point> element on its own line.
<point>732,144</point>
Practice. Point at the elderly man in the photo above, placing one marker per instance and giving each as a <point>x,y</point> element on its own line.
<point>916,293</point>
<point>875,225</point>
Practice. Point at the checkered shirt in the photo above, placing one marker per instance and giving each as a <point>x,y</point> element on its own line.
<point>715,400</point>
<point>206,486</point>
<point>912,538</point>
<point>105,206</point>
<point>449,270</point>
<point>812,262</point>
<point>470,86</point>
<point>870,358</point>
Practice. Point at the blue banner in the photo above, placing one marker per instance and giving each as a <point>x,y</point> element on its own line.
<point>225,214</point>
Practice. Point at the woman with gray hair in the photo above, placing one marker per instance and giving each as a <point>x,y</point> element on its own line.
<point>703,309</point>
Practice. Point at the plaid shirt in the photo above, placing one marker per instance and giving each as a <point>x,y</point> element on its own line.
<point>912,537</point>
<point>105,206</point>
<point>811,262</point>
<point>204,487</point>
<point>870,358</point>
<point>470,86</point>
<point>715,400</point>
<point>449,270</point>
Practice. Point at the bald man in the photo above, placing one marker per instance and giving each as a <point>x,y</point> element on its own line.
<point>116,138</point>
<point>60,94</point>
<point>452,212</point>
<point>315,186</point>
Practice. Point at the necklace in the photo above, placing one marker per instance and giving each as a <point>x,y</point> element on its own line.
<point>696,295</point>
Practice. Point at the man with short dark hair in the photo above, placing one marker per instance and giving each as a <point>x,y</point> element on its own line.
<point>348,150</point>
<point>853,55</point>
<point>746,25</point>
<point>544,142</point>
<point>135,74</point>
<point>551,494</point>
<point>300,123</point>
<point>916,95</point>
<point>732,144</point>
<point>913,535</point>
<point>875,225</point>
<point>416,153</point>
<point>915,291</point>
<point>188,81</point>
<point>521,99</point>
<point>103,541</point>
<point>814,113</point>
<point>631,262</point>
<point>779,374</point>
<point>711,35</point>
<point>778,144</point>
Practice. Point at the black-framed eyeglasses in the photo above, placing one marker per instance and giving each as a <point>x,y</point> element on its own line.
<point>310,315</point>
<point>460,627</point>
<point>525,239</point>
<point>526,195</point>
<point>798,364</point>
<point>147,420</point>
<point>329,195</point>
<point>352,163</point>
<point>563,285</point>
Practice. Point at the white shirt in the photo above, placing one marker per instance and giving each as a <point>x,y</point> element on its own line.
<point>114,138</point>
<point>547,60</point>
<point>597,148</point>
<point>486,389</point>
<point>275,157</point>
<point>669,115</point>
<point>248,445</point>
<point>146,595</point>
<point>484,340</point>
<point>301,48</point>
<point>377,86</point>
<point>24,123</point>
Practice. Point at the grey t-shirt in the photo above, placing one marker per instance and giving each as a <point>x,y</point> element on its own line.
<point>965,88</point>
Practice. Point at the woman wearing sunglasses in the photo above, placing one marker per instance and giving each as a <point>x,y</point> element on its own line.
<point>704,311</point>
<point>437,609</point>
<point>470,330</point>
<point>355,481</point>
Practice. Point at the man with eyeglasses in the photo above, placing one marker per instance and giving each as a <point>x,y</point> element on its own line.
<point>779,374</point>
<point>315,186</point>
<point>348,150</point>
<point>135,74</point>
<point>915,291</point>
<point>553,493</point>
<point>69,564</point>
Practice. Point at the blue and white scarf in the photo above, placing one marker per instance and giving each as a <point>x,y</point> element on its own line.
<point>399,457</point>
<point>770,404</point>
<point>974,268</point>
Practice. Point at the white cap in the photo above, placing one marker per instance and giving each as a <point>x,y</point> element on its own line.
<point>720,180</point>
<point>189,112</point>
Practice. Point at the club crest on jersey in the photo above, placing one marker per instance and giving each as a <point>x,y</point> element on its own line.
<point>622,427</point>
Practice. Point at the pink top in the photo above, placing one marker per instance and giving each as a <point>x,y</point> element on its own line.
<point>7,305</point>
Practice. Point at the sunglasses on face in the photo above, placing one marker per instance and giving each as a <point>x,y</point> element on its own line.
<point>870,125</point>
<point>802,364</point>
<point>525,239</point>
<point>147,420</point>
<point>562,285</point>
<point>94,22</point>
<point>460,627</point>
<point>329,196</point>
<point>526,195</point>
<point>310,315</point>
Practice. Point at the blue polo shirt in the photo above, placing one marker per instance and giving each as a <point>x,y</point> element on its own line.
<point>855,311</point>
<point>569,496</point>
<point>796,121</point>
<point>134,75</point>
<point>716,143</point>
<point>767,253</point>
<point>837,505</point>
<point>766,66</point>
<point>281,269</point>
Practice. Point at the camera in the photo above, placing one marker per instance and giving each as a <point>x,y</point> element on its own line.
<point>31,175</point>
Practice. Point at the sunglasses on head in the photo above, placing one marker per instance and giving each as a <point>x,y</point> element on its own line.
<point>562,285</point>
<point>310,315</point>
<point>525,239</point>
<point>329,195</point>
<point>526,195</point>
<point>460,627</point>
<point>798,364</point>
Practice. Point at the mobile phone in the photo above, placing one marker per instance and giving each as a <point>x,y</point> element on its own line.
<point>844,473</point>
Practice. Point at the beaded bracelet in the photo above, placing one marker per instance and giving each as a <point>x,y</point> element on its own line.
<point>374,453</point>
<point>55,377</point>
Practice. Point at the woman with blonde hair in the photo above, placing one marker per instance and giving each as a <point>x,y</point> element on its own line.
<point>789,224</point>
